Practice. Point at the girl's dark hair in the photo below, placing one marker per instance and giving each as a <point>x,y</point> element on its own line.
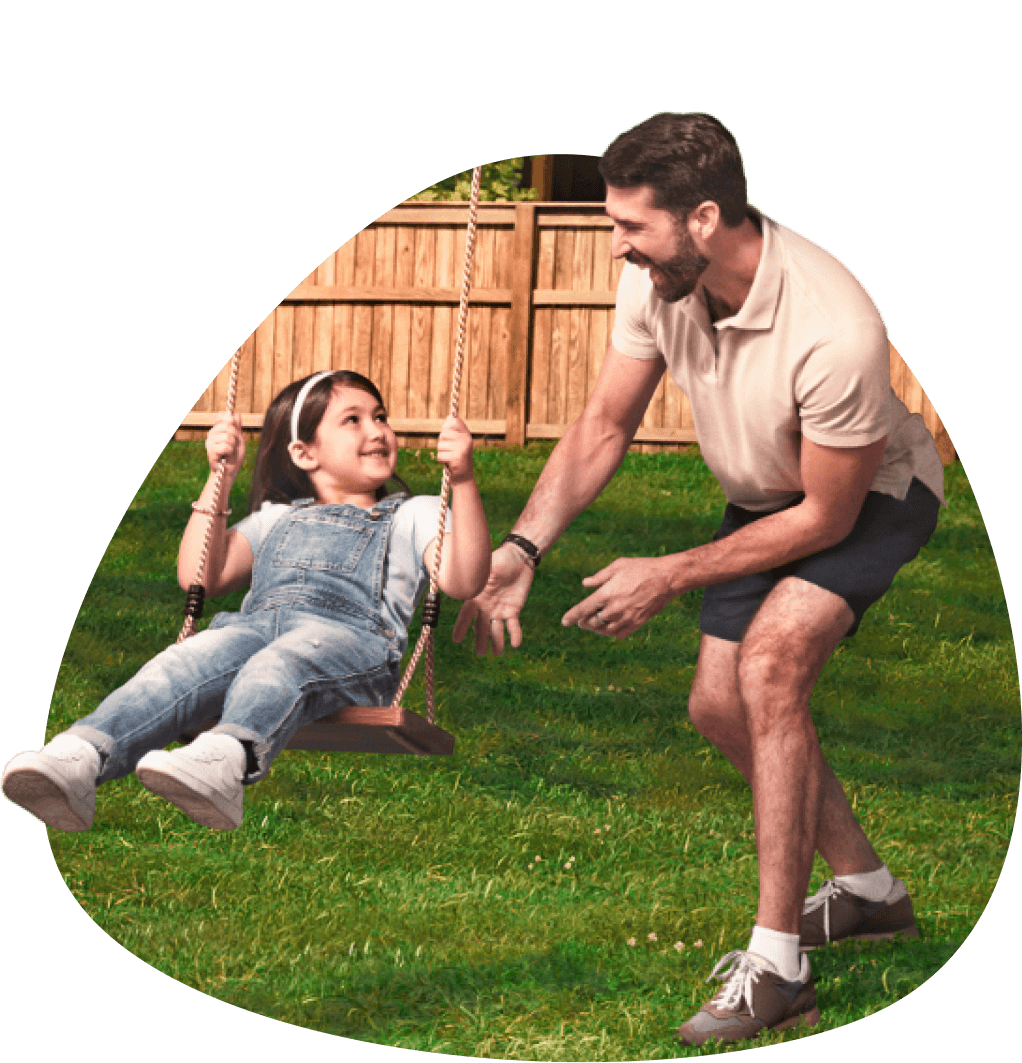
<point>686,159</point>
<point>276,477</point>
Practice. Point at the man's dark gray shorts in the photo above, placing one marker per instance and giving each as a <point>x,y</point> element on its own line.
<point>860,568</point>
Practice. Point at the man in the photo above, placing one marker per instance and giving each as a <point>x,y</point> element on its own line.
<point>832,486</point>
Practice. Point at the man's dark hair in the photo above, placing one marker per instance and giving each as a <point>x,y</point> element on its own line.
<point>686,159</point>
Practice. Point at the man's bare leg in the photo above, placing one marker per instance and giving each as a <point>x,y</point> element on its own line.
<point>775,667</point>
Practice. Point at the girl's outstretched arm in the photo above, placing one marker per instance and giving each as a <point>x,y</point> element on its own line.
<point>229,559</point>
<point>465,564</point>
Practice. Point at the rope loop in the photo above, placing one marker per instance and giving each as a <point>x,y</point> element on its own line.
<point>431,609</point>
<point>194,601</point>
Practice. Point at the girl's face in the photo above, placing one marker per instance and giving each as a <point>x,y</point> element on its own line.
<point>355,449</point>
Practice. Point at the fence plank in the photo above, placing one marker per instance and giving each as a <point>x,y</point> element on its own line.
<point>282,336</point>
<point>381,355</point>
<point>360,351</point>
<point>496,392</point>
<point>404,276</point>
<point>306,293</point>
<point>422,327</point>
<point>322,338</point>
<point>476,361</point>
<point>344,274</point>
<point>519,325</point>
<point>542,330</point>
<point>577,390</point>
<point>444,327</point>
<point>246,373</point>
<point>599,338</point>
<point>262,391</point>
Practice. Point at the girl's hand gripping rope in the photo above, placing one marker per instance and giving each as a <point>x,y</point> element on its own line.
<point>226,440</point>
<point>228,554</point>
<point>465,561</point>
<point>454,449</point>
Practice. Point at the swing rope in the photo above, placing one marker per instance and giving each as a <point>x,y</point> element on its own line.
<point>197,589</point>
<point>431,606</point>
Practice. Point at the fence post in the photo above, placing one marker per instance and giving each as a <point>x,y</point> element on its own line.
<point>520,324</point>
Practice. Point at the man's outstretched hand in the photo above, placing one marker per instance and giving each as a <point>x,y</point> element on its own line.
<point>500,603</point>
<point>629,591</point>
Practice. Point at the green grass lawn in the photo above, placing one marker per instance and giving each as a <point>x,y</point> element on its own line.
<point>483,904</point>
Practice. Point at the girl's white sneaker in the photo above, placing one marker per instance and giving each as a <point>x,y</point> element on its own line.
<point>57,783</point>
<point>203,779</point>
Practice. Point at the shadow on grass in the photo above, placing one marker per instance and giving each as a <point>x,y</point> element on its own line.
<point>374,999</point>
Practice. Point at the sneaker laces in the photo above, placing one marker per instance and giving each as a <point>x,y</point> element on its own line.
<point>741,975</point>
<point>821,899</point>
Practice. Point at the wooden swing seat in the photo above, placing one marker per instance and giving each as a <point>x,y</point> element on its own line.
<point>374,729</point>
<point>365,729</point>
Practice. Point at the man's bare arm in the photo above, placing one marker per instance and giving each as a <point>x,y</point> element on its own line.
<point>631,590</point>
<point>592,449</point>
<point>580,466</point>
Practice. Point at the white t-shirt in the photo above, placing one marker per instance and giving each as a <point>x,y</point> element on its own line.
<point>806,355</point>
<point>413,528</point>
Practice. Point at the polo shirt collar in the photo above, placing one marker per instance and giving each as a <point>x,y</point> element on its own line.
<point>760,305</point>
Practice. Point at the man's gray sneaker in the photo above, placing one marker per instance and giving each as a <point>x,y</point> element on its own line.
<point>203,779</point>
<point>57,784</point>
<point>754,998</point>
<point>835,914</point>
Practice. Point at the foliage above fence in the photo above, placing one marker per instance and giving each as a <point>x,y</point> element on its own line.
<point>498,181</point>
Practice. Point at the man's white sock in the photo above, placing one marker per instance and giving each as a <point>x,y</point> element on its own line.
<point>870,885</point>
<point>780,949</point>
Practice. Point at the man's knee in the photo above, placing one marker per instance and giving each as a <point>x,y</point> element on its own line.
<point>704,708</point>
<point>789,642</point>
<point>715,710</point>
<point>713,701</point>
<point>767,673</point>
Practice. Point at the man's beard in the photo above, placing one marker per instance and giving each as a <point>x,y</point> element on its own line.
<point>678,276</point>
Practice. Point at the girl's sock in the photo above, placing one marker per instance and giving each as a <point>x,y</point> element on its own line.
<point>870,885</point>
<point>780,949</point>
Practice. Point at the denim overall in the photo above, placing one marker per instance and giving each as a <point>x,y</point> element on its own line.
<point>309,637</point>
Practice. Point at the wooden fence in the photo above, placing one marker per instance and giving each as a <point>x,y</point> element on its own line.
<point>541,313</point>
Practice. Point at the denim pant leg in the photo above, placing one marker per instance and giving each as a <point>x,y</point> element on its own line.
<point>313,667</point>
<point>178,688</point>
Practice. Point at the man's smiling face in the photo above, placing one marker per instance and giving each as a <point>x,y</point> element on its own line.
<point>653,238</point>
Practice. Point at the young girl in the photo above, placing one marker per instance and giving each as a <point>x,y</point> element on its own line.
<point>336,566</point>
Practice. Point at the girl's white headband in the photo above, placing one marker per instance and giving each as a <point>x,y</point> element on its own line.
<point>302,395</point>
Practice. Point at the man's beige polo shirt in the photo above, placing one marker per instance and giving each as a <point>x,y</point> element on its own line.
<point>807,354</point>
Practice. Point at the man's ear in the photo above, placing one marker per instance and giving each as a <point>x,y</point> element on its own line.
<point>301,455</point>
<point>704,220</point>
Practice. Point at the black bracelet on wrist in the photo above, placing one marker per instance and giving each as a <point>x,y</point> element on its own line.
<point>531,550</point>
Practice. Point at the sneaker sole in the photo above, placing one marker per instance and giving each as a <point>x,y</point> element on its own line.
<point>204,810</point>
<point>807,1018</point>
<point>887,935</point>
<point>40,795</point>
